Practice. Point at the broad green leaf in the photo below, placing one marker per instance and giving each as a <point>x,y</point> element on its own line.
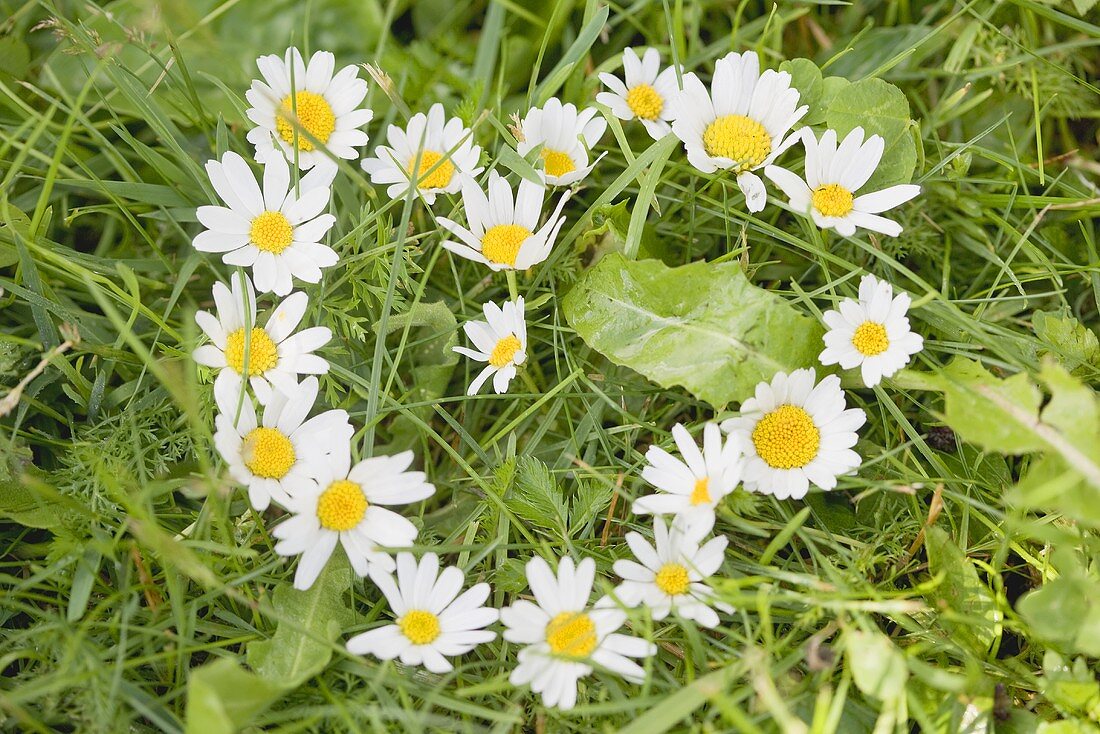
<point>879,108</point>
<point>222,698</point>
<point>976,619</point>
<point>878,666</point>
<point>1066,612</point>
<point>979,407</point>
<point>1072,688</point>
<point>309,624</point>
<point>1067,479</point>
<point>1070,341</point>
<point>701,326</point>
<point>19,501</point>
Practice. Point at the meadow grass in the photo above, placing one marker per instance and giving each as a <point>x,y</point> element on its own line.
<point>131,561</point>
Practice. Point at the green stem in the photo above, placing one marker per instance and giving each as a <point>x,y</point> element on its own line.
<point>513,289</point>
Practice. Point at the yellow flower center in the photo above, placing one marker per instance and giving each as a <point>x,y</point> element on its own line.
<point>833,200</point>
<point>271,232</point>
<point>438,178</point>
<point>672,579</point>
<point>268,453</point>
<point>741,139</point>
<point>701,494</point>
<point>786,437</point>
<point>341,506</point>
<point>870,339</point>
<point>644,102</point>
<point>504,351</point>
<point>314,114</point>
<point>571,634</point>
<point>500,243</point>
<point>262,352</point>
<point>419,626</point>
<point>557,163</point>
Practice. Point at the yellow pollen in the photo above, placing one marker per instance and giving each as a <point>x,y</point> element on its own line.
<point>557,163</point>
<point>271,232</point>
<point>832,200</point>
<point>262,352</point>
<point>504,351</point>
<point>438,178</point>
<point>786,438</point>
<point>419,626</point>
<point>644,102</point>
<point>701,494</point>
<point>314,115</point>
<point>672,579</point>
<point>268,453</point>
<point>870,339</point>
<point>341,506</point>
<point>500,243</point>
<point>741,139</point>
<point>571,634</point>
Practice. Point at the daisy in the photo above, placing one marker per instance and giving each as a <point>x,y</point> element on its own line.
<point>346,503</point>
<point>693,486</point>
<point>296,98</point>
<point>566,137</point>
<point>871,333</point>
<point>741,123</point>
<point>671,576</point>
<point>796,432</point>
<point>284,449</point>
<point>833,175</point>
<point>434,621</point>
<point>276,355</point>
<point>563,637</point>
<point>501,340</point>
<point>442,152</point>
<point>276,232</point>
<point>646,96</point>
<point>503,232</point>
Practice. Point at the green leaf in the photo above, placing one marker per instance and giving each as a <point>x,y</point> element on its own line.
<point>1071,688</point>
<point>309,624</point>
<point>536,497</point>
<point>977,406</point>
<point>977,619</point>
<point>701,326</point>
<point>19,500</point>
<point>1070,341</point>
<point>878,666</point>
<point>1066,612</point>
<point>222,698</point>
<point>879,108</point>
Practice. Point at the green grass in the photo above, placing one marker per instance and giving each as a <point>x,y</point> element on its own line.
<point>954,577</point>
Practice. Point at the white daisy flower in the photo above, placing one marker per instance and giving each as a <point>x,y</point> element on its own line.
<point>741,123</point>
<point>434,621</point>
<point>564,637</point>
<point>315,101</point>
<point>501,340</point>
<point>648,95</point>
<point>283,450</point>
<point>566,137</point>
<point>670,577</point>
<point>346,503</point>
<point>833,176</point>
<point>276,355</point>
<point>871,333</point>
<point>796,432</point>
<point>442,151</point>
<point>277,232</point>
<point>693,486</point>
<point>503,232</point>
